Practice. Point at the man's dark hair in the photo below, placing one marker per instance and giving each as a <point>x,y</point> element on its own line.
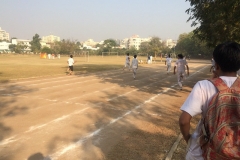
<point>180,56</point>
<point>169,56</point>
<point>71,56</point>
<point>128,54</point>
<point>227,56</point>
<point>135,56</point>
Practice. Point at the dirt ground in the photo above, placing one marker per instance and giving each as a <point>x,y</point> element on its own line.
<point>99,116</point>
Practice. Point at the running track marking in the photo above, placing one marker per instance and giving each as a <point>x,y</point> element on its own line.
<point>32,128</point>
<point>82,140</point>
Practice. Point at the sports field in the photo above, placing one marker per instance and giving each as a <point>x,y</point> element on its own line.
<point>100,113</point>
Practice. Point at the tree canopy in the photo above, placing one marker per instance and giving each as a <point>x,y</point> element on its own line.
<point>189,44</point>
<point>35,43</point>
<point>216,21</point>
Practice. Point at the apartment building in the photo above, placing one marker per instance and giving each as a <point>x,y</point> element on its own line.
<point>135,41</point>
<point>4,35</point>
<point>24,42</point>
<point>90,42</point>
<point>50,39</point>
<point>4,46</point>
<point>171,43</point>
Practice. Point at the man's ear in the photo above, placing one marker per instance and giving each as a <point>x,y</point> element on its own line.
<point>217,67</point>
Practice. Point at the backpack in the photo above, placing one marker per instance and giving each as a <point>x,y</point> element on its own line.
<point>220,132</point>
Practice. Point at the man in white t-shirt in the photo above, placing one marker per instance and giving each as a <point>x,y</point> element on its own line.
<point>70,62</point>
<point>202,93</point>
<point>180,66</point>
<point>134,66</point>
<point>168,62</point>
<point>127,62</point>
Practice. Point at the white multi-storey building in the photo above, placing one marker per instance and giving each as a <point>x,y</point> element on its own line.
<point>50,39</point>
<point>135,41</point>
<point>4,46</point>
<point>90,42</point>
<point>4,35</point>
<point>23,42</point>
<point>170,43</point>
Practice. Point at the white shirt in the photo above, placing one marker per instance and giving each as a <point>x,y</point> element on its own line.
<point>168,60</point>
<point>127,59</point>
<point>197,103</point>
<point>70,61</point>
<point>180,64</point>
<point>134,63</point>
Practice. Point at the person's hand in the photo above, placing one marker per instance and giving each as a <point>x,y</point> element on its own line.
<point>187,138</point>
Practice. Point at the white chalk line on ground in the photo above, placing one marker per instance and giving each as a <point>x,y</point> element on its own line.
<point>50,87</point>
<point>32,128</point>
<point>96,132</point>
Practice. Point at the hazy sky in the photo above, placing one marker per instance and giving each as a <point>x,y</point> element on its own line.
<point>96,19</point>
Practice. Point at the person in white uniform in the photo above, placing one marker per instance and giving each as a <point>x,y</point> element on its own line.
<point>127,62</point>
<point>168,62</point>
<point>203,91</point>
<point>134,66</point>
<point>180,66</point>
<point>70,62</point>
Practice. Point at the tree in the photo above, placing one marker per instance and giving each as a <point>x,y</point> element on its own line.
<point>189,44</point>
<point>156,45</point>
<point>216,20</point>
<point>35,43</point>
<point>65,47</point>
<point>46,50</point>
<point>145,47</point>
<point>109,44</point>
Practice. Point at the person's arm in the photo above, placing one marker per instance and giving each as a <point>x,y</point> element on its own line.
<point>184,124</point>
<point>187,70</point>
<point>174,70</point>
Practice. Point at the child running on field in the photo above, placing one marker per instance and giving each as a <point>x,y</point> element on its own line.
<point>168,62</point>
<point>127,62</point>
<point>227,62</point>
<point>70,62</point>
<point>134,66</point>
<point>180,65</point>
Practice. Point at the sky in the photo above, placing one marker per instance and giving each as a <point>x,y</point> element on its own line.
<point>80,20</point>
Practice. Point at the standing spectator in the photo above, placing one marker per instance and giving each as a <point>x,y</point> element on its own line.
<point>202,95</point>
<point>180,65</point>
<point>168,62</point>
<point>70,62</point>
<point>134,66</point>
<point>49,56</point>
<point>127,62</point>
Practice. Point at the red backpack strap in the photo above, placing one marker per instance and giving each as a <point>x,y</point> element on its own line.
<point>236,85</point>
<point>219,84</point>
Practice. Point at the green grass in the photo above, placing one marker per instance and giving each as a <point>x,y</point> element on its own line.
<point>26,66</point>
